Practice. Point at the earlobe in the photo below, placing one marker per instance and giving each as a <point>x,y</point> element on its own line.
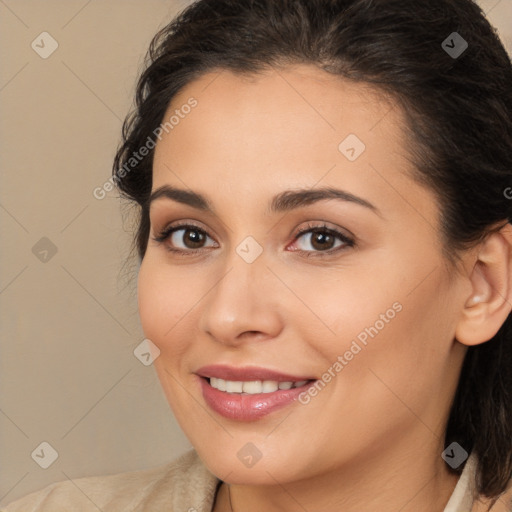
<point>490,301</point>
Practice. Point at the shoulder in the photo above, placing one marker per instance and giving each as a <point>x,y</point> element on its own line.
<point>184,484</point>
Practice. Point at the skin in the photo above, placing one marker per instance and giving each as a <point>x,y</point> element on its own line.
<point>374,435</point>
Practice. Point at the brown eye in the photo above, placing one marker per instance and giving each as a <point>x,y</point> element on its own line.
<point>192,238</point>
<point>315,240</point>
<point>321,240</point>
<point>184,238</point>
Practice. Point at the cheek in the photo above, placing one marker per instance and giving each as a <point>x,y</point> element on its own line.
<point>409,356</point>
<point>344,304</point>
<point>165,304</point>
<point>164,301</point>
<point>151,302</point>
<point>397,323</point>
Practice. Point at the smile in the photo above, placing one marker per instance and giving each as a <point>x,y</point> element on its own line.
<point>253,387</point>
<point>249,393</point>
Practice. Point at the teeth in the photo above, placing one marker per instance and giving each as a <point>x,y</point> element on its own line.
<point>233,386</point>
<point>252,387</point>
<point>218,384</point>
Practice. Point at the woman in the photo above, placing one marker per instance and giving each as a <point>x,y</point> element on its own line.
<point>326,259</point>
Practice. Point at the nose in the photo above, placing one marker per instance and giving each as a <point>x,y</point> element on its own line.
<point>243,304</point>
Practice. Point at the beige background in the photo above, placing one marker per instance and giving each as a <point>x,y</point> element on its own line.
<point>69,325</point>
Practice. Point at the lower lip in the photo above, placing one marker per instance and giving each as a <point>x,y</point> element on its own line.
<point>245,407</point>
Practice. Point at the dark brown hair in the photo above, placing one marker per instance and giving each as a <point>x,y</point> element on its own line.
<point>459,121</point>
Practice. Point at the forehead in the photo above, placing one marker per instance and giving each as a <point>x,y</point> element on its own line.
<point>281,110</point>
<point>297,126</point>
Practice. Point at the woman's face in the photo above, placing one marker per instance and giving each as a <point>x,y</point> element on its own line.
<point>369,313</point>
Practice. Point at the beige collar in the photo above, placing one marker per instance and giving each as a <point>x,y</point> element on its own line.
<point>462,499</point>
<point>463,496</point>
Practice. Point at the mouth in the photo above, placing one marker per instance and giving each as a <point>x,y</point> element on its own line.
<point>248,394</point>
<point>248,373</point>
<point>253,387</point>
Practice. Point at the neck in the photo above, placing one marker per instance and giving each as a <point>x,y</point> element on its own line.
<point>412,483</point>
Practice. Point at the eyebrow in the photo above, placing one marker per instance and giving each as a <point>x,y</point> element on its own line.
<point>282,202</point>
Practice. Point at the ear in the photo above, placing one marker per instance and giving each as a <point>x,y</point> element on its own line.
<point>490,302</point>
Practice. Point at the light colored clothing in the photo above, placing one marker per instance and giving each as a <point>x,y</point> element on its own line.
<point>184,485</point>
<point>463,496</point>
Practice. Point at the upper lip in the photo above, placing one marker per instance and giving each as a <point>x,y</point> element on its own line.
<point>247,373</point>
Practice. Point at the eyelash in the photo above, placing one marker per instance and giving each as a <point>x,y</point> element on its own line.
<point>348,242</point>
